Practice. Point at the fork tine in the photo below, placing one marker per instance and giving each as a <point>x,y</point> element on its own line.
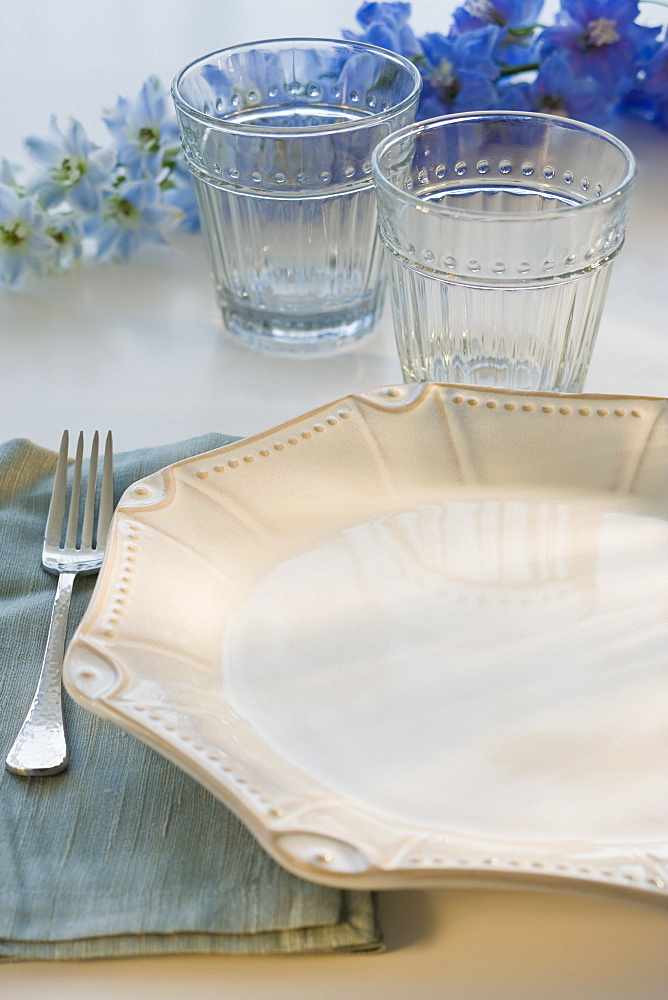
<point>73,516</point>
<point>89,506</point>
<point>54,524</point>
<point>106,494</point>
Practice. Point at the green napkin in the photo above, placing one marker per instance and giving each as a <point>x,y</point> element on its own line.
<point>123,853</point>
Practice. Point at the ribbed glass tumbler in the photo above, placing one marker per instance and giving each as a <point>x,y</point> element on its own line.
<point>278,137</point>
<point>500,229</point>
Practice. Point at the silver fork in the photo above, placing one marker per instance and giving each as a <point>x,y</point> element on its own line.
<point>41,747</point>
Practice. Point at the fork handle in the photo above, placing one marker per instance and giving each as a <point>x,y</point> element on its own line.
<point>40,747</point>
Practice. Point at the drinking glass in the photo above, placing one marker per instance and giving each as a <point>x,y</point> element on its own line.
<point>500,229</point>
<point>278,137</point>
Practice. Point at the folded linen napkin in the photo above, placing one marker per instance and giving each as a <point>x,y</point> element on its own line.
<point>124,854</point>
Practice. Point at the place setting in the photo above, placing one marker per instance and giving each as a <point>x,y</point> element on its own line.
<point>411,637</point>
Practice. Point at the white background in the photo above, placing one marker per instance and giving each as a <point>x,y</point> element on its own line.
<point>140,348</point>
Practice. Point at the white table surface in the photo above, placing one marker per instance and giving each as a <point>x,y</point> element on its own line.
<point>140,348</point>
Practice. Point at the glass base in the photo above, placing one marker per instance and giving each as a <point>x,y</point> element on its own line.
<point>519,373</point>
<point>315,335</point>
<point>494,373</point>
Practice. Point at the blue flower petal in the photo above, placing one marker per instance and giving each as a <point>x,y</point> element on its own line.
<point>13,270</point>
<point>84,195</point>
<point>105,236</point>
<point>75,140</point>
<point>43,151</point>
<point>50,195</point>
<point>9,202</point>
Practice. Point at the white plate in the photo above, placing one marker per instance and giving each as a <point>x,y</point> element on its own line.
<point>415,637</point>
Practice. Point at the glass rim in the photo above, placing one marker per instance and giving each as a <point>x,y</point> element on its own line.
<point>436,208</point>
<point>242,128</point>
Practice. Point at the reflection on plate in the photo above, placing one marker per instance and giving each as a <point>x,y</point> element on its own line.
<point>414,637</point>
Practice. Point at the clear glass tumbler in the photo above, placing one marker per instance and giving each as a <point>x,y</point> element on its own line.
<point>500,229</point>
<point>278,136</point>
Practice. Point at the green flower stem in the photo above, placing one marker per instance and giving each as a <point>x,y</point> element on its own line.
<point>522,68</point>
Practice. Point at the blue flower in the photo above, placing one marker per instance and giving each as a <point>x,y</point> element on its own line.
<point>655,83</point>
<point>25,248</point>
<point>557,91</point>
<point>386,25</point>
<point>133,214</point>
<point>179,191</point>
<point>76,171</point>
<point>512,14</point>
<point>600,40</point>
<point>649,98</point>
<point>66,232</point>
<point>144,130</point>
<point>517,20</point>
<point>459,72</point>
